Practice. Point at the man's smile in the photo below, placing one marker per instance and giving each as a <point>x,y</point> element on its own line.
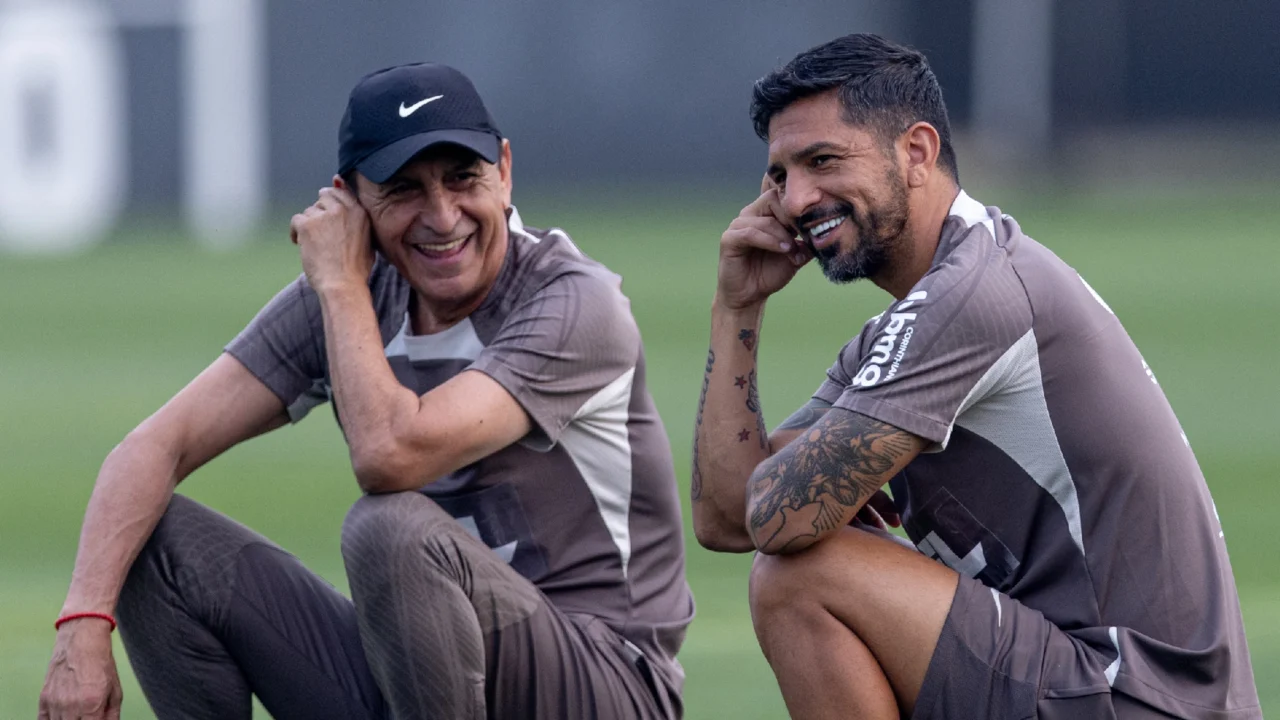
<point>441,251</point>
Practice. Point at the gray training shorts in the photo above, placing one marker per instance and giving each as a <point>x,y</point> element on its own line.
<point>1001,660</point>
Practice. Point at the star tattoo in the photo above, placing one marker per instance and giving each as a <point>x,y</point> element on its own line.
<point>744,436</point>
<point>740,381</point>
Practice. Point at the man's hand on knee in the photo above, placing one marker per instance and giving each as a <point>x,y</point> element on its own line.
<point>82,681</point>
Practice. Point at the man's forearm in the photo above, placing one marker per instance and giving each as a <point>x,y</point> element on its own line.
<point>371,402</point>
<point>131,494</point>
<point>729,435</point>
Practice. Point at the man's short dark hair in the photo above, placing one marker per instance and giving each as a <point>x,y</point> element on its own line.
<point>882,86</point>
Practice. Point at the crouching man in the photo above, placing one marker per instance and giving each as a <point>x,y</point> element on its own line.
<point>1067,559</point>
<point>519,552</point>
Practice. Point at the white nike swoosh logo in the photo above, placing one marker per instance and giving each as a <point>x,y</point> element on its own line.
<point>407,111</point>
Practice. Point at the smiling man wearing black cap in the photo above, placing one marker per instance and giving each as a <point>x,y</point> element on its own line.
<point>518,552</point>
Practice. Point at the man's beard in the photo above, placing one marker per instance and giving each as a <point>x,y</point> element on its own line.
<point>877,235</point>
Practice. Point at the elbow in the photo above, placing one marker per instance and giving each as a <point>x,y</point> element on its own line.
<point>755,536</point>
<point>716,535</point>
<point>770,539</point>
<point>371,478</point>
<point>382,469</point>
<point>147,443</point>
<point>723,542</point>
<point>762,539</point>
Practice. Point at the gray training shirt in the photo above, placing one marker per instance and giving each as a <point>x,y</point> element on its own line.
<point>1058,473</point>
<point>586,506</point>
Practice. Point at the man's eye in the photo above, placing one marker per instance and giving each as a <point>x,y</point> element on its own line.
<point>463,177</point>
<point>821,160</point>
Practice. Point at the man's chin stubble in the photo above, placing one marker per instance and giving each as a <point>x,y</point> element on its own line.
<point>859,264</point>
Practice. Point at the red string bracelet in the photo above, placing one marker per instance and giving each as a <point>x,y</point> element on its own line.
<point>76,616</point>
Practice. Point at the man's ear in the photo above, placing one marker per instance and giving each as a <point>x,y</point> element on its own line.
<point>504,171</point>
<point>350,183</point>
<point>920,145</point>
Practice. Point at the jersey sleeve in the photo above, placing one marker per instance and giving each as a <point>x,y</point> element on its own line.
<point>839,376</point>
<point>283,347</point>
<point>562,350</point>
<point>936,352</point>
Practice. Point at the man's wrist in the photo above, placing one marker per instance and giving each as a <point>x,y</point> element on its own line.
<point>105,621</point>
<point>340,289</point>
<point>740,318</point>
<point>720,308</point>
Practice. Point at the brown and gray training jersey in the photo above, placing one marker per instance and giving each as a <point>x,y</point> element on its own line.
<point>586,506</point>
<point>1057,472</point>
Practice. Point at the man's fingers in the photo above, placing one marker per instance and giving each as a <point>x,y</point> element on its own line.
<point>300,220</point>
<point>115,700</point>
<point>766,225</point>
<point>760,237</point>
<point>868,516</point>
<point>763,205</point>
<point>801,254</point>
<point>769,205</point>
<point>767,184</point>
<point>294,223</point>
<point>338,195</point>
<point>884,507</point>
<point>774,202</point>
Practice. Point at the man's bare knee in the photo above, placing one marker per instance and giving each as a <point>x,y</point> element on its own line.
<point>828,577</point>
<point>817,658</point>
<point>780,594</point>
<point>782,581</point>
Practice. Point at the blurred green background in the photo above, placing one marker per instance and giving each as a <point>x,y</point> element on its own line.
<point>93,343</point>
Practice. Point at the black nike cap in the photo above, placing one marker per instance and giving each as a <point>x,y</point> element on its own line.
<point>395,113</point>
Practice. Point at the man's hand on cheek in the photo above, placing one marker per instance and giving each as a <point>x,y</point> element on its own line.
<point>333,239</point>
<point>759,253</point>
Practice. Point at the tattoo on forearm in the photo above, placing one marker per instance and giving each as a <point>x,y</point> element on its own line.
<point>809,488</point>
<point>695,481</point>
<point>744,436</point>
<point>753,404</point>
<point>740,381</point>
<point>748,338</point>
<point>806,416</point>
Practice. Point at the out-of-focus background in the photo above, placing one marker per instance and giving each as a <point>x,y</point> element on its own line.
<point>151,152</point>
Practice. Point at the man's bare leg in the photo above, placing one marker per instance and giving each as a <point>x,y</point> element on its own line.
<point>823,669</point>
<point>850,624</point>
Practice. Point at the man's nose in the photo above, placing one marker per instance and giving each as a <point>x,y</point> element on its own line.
<point>439,213</point>
<point>798,196</point>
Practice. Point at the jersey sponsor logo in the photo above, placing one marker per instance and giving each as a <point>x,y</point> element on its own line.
<point>891,345</point>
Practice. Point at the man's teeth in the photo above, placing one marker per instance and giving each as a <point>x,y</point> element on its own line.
<point>446,247</point>
<point>826,227</point>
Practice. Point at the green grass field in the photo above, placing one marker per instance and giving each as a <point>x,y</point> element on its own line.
<point>94,343</point>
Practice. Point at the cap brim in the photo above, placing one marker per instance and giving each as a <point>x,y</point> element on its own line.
<point>383,163</point>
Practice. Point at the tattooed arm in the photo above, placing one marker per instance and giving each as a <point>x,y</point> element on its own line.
<point>817,483</point>
<point>729,433</point>
<point>759,255</point>
<point>800,420</point>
